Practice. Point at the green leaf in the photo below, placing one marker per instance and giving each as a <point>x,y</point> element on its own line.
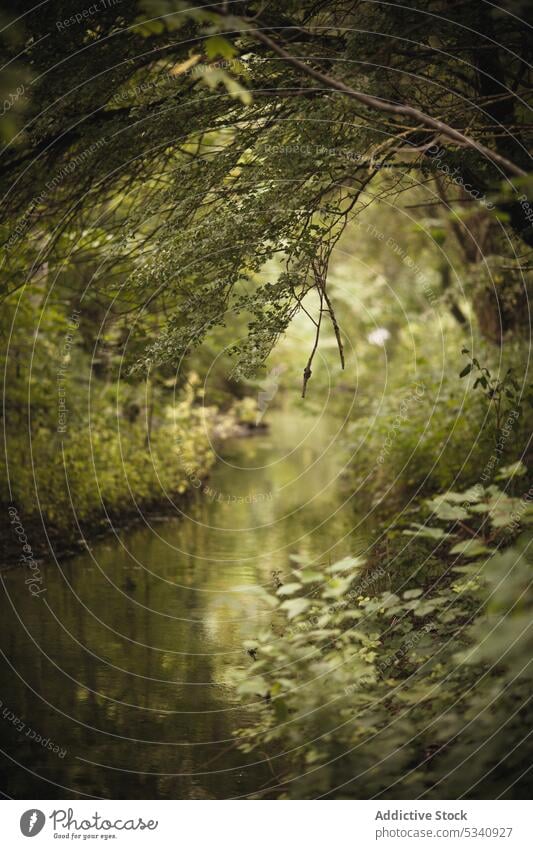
<point>217,45</point>
<point>412,593</point>
<point>470,548</point>
<point>467,369</point>
<point>237,91</point>
<point>254,686</point>
<point>457,497</point>
<point>337,587</point>
<point>212,77</point>
<point>308,576</point>
<point>428,606</point>
<point>295,606</point>
<point>475,493</point>
<point>446,511</point>
<point>268,599</point>
<point>289,589</point>
<point>345,564</point>
<point>503,510</point>
<point>514,470</point>
<point>302,559</point>
<point>429,533</point>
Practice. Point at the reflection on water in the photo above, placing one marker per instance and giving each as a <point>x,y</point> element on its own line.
<point>127,665</point>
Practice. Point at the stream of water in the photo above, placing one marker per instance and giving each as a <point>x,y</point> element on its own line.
<point>120,679</point>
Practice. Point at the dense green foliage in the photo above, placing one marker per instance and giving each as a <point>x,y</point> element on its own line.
<point>420,689</point>
<point>80,443</point>
<point>161,167</point>
<point>341,190</point>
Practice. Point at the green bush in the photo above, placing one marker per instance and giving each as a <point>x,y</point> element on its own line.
<point>413,691</point>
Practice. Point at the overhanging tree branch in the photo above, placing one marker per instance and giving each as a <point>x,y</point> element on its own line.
<point>385,106</point>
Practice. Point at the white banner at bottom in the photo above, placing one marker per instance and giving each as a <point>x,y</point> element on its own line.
<point>252,825</point>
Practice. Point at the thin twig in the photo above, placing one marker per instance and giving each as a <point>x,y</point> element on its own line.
<point>307,369</point>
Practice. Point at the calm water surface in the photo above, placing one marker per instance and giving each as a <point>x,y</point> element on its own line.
<point>129,662</point>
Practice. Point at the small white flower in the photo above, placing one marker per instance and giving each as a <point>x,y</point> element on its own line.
<point>378,336</point>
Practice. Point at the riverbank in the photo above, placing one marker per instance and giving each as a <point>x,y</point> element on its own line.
<point>68,541</point>
<point>193,460</point>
